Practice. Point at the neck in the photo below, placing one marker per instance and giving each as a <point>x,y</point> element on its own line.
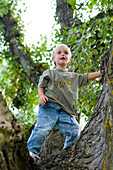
<point>61,68</point>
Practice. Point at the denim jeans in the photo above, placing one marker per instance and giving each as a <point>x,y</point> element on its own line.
<point>50,115</point>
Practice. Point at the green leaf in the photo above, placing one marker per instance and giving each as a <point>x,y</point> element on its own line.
<point>72,2</point>
<point>100,34</point>
<point>75,29</point>
<point>90,6</point>
<point>84,25</point>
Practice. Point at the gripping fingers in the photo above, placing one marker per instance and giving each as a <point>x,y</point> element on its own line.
<point>43,100</point>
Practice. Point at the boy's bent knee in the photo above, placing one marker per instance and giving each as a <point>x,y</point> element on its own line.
<point>43,131</point>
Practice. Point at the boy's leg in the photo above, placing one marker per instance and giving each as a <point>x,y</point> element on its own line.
<point>46,119</point>
<point>68,125</point>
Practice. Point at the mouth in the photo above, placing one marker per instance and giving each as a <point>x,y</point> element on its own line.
<point>62,58</point>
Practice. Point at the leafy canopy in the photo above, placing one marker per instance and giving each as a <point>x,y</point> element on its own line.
<point>89,38</point>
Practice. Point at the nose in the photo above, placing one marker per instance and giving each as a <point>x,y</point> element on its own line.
<point>62,53</point>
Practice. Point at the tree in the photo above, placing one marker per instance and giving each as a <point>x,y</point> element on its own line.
<point>12,138</point>
<point>93,150</point>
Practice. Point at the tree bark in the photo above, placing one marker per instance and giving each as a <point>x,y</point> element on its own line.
<point>13,148</point>
<point>64,13</point>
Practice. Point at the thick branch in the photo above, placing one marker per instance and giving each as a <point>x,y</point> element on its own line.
<point>12,37</point>
<point>64,13</point>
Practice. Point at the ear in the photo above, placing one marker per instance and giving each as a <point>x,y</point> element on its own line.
<point>69,60</point>
<point>53,60</point>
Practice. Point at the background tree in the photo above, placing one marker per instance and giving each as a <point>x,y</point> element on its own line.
<point>89,41</point>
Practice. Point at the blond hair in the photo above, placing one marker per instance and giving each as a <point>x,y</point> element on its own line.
<point>61,46</point>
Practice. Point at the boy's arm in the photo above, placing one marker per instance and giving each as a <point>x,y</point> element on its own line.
<point>93,75</point>
<point>42,97</point>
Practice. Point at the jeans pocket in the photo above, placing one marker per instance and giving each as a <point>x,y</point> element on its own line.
<point>73,119</point>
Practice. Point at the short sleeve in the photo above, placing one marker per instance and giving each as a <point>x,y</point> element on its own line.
<point>82,80</point>
<point>44,78</point>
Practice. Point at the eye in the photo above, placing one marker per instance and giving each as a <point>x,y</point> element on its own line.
<point>65,52</point>
<point>59,52</point>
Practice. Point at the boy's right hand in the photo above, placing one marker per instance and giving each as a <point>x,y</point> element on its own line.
<point>43,99</point>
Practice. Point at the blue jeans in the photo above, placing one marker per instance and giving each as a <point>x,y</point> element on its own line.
<point>50,115</point>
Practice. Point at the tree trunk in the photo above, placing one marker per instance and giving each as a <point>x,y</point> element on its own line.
<point>13,148</point>
<point>64,13</point>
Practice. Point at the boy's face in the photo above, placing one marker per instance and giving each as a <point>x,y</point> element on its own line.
<point>61,57</point>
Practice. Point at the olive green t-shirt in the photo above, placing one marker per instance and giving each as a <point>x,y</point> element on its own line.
<point>61,87</point>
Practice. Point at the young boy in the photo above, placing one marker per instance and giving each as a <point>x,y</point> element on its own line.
<point>58,92</point>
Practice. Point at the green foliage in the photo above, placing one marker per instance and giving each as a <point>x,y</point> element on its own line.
<point>21,94</point>
<point>89,41</point>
